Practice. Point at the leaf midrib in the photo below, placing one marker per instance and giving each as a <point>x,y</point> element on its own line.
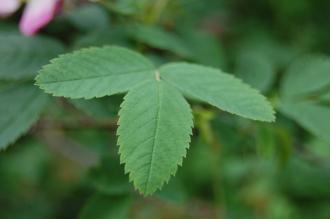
<point>97,76</point>
<point>159,103</point>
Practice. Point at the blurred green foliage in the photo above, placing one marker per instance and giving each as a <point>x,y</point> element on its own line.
<point>66,165</point>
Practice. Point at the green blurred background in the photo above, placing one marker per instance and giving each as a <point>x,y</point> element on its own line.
<point>67,166</point>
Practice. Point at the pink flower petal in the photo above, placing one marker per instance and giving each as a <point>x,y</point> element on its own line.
<point>7,7</point>
<point>37,14</point>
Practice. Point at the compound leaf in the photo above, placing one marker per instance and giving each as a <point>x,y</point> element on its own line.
<point>154,133</point>
<point>94,72</point>
<point>155,121</point>
<point>219,89</point>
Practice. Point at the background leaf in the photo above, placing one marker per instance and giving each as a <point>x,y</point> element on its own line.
<point>22,57</point>
<point>255,69</point>
<point>20,108</point>
<point>89,17</point>
<point>304,94</point>
<point>159,38</point>
<point>205,48</point>
<point>312,116</point>
<point>306,76</point>
<point>106,207</point>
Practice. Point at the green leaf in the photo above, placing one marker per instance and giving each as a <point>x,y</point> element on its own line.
<point>161,39</point>
<point>312,116</point>
<point>128,7</point>
<point>155,120</point>
<point>187,45</point>
<point>22,57</point>
<point>20,109</point>
<point>89,17</point>
<point>306,76</point>
<point>102,206</point>
<point>255,69</point>
<point>304,179</point>
<point>205,48</point>
<point>113,36</point>
<point>219,89</point>
<point>305,88</point>
<point>94,72</point>
<point>154,133</point>
<point>276,53</point>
